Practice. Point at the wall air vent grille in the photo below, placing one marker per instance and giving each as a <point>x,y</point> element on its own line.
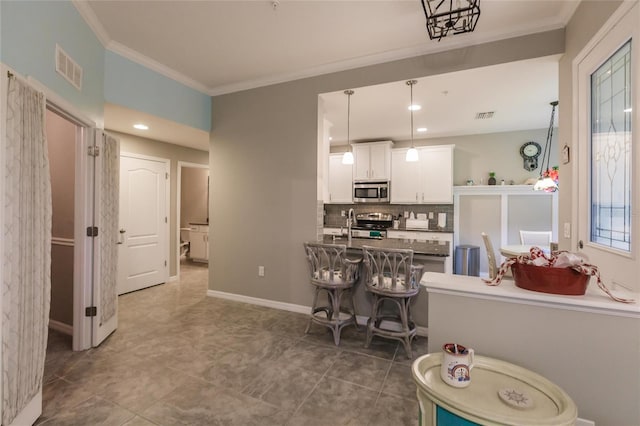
<point>68,68</point>
<point>484,115</point>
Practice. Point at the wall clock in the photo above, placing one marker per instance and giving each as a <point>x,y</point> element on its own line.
<point>530,151</point>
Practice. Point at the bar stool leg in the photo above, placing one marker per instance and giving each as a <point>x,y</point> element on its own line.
<point>404,316</point>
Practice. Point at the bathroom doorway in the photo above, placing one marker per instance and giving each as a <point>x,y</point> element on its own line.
<point>192,215</point>
<point>61,141</point>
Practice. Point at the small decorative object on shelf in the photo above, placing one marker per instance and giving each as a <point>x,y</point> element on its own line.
<point>492,178</point>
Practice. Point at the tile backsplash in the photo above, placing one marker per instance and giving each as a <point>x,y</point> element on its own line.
<point>333,213</point>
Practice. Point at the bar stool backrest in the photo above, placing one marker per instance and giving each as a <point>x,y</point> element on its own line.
<point>391,270</point>
<point>328,264</point>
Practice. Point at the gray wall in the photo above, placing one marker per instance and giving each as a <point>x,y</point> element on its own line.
<point>61,139</point>
<point>584,24</point>
<point>264,160</point>
<point>137,145</point>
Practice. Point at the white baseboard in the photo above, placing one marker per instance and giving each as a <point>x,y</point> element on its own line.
<point>172,278</point>
<point>583,422</point>
<point>30,412</point>
<point>291,307</point>
<point>61,327</point>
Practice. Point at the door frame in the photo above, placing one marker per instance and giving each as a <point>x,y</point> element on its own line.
<point>167,206</point>
<point>182,164</point>
<point>83,216</point>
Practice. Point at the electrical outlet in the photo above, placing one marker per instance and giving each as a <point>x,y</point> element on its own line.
<point>567,230</point>
<point>406,214</point>
<point>261,271</point>
<point>430,215</point>
<point>343,213</point>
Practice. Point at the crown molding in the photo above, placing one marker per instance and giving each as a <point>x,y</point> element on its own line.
<point>463,40</point>
<point>156,66</point>
<point>91,19</point>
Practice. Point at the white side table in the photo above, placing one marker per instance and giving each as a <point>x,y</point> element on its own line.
<point>500,393</point>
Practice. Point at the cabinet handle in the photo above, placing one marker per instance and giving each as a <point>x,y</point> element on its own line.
<point>423,196</point>
<point>416,196</point>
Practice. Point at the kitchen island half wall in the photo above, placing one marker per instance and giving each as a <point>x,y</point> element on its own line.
<point>431,254</point>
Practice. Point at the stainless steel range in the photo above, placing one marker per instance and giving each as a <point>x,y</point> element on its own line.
<point>372,225</point>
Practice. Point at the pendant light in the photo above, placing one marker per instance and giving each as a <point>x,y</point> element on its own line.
<point>347,158</point>
<point>545,181</point>
<point>412,154</point>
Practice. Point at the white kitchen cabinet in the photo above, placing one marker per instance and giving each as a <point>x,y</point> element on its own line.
<point>427,181</point>
<point>372,161</point>
<point>199,243</point>
<point>340,180</point>
<point>406,186</point>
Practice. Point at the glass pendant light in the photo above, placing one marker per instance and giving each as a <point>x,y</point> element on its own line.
<point>347,158</point>
<point>546,182</point>
<point>412,154</point>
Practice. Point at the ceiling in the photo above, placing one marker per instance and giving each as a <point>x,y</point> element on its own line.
<point>518,93</point>
<point>224,46</point>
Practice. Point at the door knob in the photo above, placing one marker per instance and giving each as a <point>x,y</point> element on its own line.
<point>580,244</point>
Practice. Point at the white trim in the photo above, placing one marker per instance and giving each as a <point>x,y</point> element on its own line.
<point>173,278</point>
<point>463,41</point>
<point>156,66</point>
<point>557,22</point>
<point>61,327</point>
<point>67,242</point>
<point>182,164</point>
<point>82,254</point>
<point>584,422</point>
<point>92,21</point>
<point>30,412</point>
<point>291,307</point>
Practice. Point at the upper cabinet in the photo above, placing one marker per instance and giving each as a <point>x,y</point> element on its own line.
<point>339,182</point>
<point>372,161</point>
<point>427,181</point>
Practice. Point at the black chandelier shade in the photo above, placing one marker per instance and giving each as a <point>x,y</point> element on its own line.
<point>450,16</point>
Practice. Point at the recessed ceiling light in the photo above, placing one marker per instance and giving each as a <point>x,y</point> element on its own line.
<point>628,110</point>
<point>330,138</point>
<point>415,107</point>
<point>421,129</point>
<point>141,126</point>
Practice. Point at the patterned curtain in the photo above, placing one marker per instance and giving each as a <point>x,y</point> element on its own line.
<point>109,202</point>
<point>26,235</point>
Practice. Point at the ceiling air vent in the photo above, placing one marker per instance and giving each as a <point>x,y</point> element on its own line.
<point>484,115</point>
<point>68,68</point>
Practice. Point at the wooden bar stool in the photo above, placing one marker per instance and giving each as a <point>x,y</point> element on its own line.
<point>391,277</point>
<point>335,275</point>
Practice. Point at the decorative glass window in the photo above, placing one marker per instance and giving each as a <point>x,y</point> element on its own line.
<point>611,151</point>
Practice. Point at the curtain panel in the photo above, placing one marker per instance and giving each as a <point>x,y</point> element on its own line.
<point>109,211</point>
<point>26,235</point>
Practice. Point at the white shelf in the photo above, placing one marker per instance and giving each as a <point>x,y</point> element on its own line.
<point>497,190</point>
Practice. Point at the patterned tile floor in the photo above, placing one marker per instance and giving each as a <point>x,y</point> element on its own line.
<point>182,358</point>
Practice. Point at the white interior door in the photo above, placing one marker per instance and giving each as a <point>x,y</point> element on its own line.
<point>105,243</point>
<point>144,227</point>
<point>608,187</point>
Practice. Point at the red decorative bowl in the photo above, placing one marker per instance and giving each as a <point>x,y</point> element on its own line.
<point>549,280</point>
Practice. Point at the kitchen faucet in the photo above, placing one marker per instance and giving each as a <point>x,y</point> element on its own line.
<point>350,217</point>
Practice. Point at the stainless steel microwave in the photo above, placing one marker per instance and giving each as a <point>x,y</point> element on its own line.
<point>371,192</point>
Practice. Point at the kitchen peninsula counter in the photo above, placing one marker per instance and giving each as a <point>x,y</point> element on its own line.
<point>419,247</point>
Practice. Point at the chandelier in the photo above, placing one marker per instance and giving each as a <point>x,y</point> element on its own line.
<point>455,16</point>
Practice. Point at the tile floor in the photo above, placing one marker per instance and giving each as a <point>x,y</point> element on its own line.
<point>182,358</point>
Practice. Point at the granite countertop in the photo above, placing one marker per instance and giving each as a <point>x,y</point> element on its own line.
<point>428,248</point>
<point>401,228</point>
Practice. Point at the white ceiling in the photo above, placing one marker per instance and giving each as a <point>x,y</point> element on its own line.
<point>225,46</point>
<point>518,93</point>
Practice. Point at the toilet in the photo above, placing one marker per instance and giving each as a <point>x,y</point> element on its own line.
<point>184,241</point>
